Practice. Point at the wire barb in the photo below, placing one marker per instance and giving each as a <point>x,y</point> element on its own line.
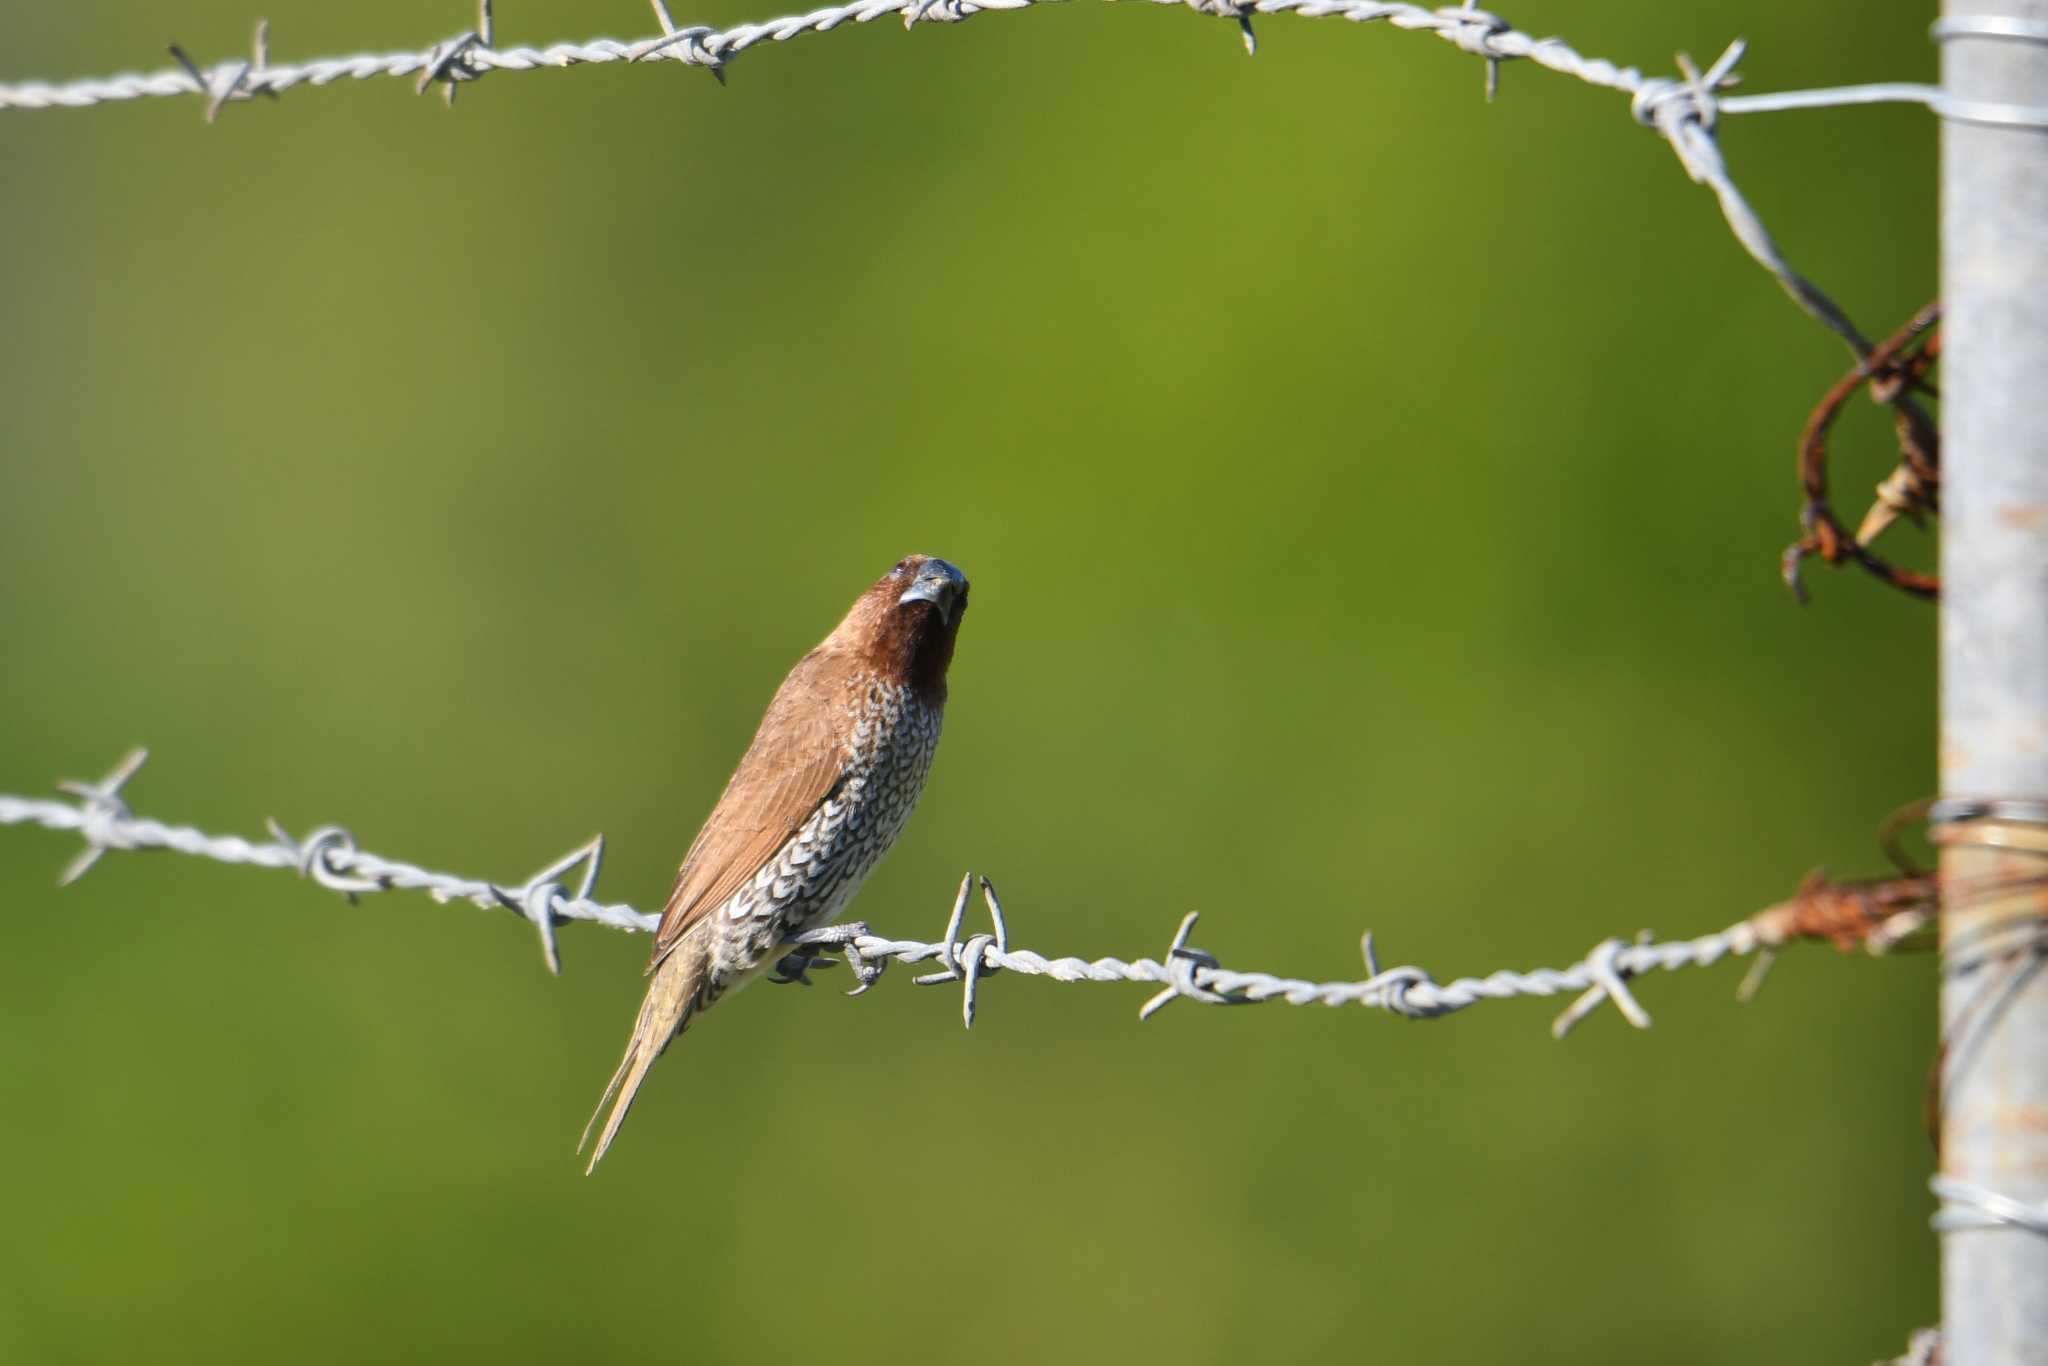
<point>1184,969</point>
<point>1487,26</point>
<point>103,816</point>
<point>1237,11</point>
<point>967,964</point>
<point>1610,983</point>
<point>537,897</point>
<point>712,60</point>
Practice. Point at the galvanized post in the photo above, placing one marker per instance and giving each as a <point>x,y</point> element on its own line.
<point>1994,675</point>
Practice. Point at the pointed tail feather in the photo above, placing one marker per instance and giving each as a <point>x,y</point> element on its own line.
<point>671,999</point>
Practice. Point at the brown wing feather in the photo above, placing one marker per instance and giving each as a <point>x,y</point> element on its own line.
<point>795,762</point>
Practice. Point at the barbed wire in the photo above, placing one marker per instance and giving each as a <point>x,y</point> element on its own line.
<point>330,857</point>
<point>472,54</point>
<point>1683,110</point>
<point>1876,914</point>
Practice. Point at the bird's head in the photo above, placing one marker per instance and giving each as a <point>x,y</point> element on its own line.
<point>924,579</point>
<point>906,623</point>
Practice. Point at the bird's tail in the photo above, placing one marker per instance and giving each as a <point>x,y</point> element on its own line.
<point>671,1000</point>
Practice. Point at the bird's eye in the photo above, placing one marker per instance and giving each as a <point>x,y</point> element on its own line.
<point>901,566</point>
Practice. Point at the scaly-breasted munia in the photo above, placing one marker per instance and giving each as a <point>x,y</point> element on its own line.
<point>819,797</point>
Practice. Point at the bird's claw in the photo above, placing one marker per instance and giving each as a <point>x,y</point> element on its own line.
<point>795,965</point>
<point>794,968</point>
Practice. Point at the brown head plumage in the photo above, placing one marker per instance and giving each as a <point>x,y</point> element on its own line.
<point>820,795</point>
<point>904,626</point>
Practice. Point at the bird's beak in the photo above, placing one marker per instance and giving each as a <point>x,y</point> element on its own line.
<point>939,584</point>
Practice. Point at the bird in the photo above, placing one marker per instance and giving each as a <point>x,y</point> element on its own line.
<point>819,797</point>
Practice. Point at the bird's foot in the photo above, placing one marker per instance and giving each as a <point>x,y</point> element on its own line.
<point>795,966</point>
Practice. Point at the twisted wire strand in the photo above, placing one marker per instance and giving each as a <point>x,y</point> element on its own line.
<point>1965,1205</point>
<point>330,857</point>
<point>1683,111</point>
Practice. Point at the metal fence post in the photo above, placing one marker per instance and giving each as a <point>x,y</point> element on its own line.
<point>1994,667</point>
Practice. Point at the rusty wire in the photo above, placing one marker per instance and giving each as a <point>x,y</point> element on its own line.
<point>2004,957</point>
<point>1879,914</point>
<point>1895,373</point>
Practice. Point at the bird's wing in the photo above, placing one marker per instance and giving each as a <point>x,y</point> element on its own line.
<point>797,760</point>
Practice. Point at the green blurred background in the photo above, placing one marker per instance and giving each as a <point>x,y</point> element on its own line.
<point>1372,497</point>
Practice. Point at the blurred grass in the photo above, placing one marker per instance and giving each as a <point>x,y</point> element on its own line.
<point>1372,497</point>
